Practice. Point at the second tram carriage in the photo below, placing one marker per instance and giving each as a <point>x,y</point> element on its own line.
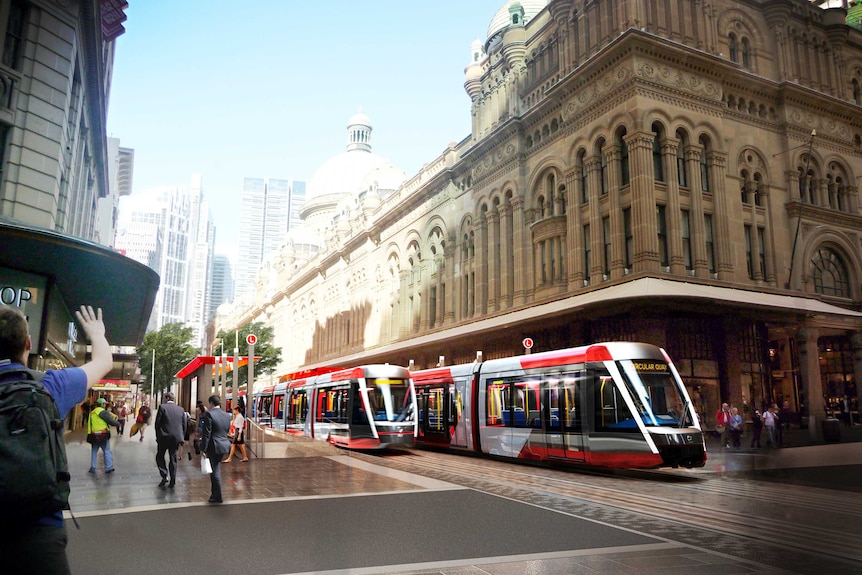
<point>616,404</point>
<point>366,407</point>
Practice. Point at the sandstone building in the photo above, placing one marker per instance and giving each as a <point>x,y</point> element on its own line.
<point>680,173</point>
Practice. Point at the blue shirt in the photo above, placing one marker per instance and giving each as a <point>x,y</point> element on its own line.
<point>68,387</point>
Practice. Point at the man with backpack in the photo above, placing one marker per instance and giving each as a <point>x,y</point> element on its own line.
<point>34,475</point>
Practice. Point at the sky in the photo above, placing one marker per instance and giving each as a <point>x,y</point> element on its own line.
<point>202,86</point>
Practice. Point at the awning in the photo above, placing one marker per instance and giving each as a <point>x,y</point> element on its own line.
<point>85,273</point>
<point>646,288</point>
<point>212,360</point>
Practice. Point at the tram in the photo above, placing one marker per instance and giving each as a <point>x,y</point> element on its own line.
<point>366,407</point>
<point>615,404</point>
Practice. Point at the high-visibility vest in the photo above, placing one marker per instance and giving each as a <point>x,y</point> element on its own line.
<point>96,422</point>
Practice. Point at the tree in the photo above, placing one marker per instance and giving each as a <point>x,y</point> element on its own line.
<point>270,356</point>
<point>173,352</point>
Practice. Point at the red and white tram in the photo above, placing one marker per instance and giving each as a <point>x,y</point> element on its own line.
<point>367,407</point>
<point>616,404</point>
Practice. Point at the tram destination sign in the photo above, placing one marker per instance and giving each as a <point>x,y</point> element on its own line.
<point>650,366</point>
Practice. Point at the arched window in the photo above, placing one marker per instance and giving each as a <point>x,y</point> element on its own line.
<point>746,53</point>
<point>734,48</point>
<point>857,91</point>
<point>681,169</point>
<point>582,171</point>
<point>624,156</point>
<point>603,159</point>
<point>705,183</point>
<point>658,165</point>
<point>830,273</point>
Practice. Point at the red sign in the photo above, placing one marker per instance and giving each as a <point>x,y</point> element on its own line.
<point>528,342</point>
<point>251,339</point>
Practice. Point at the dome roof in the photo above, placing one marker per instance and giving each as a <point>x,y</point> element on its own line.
<point>347,173</point>
<point>501,18</point>
<point>344,173</point>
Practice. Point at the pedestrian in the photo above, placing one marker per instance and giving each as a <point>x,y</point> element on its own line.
<point>142,421</point>
<point>184,447</point>
<point>237,429</point>
<point>845,412</point>
<point>722,424</point>
<point>756,428</point>
<point>200,410</point>
<point>735,427</point>
<point>786,417</point>
<point>214,443</point>
<point>39,545</point>
<point>169,436</point>
<point>124,414</point>
<point>770,422</point>
<point>99,436</point>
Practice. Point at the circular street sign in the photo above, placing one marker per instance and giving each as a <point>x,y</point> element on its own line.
<point>528,342</point>
<point>251,339</point>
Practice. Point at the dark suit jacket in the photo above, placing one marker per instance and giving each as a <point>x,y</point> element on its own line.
<point>170,428</point>
<point>214,434</point>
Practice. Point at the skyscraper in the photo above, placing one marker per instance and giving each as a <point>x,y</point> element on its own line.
<point>170,230</point>
<point>270,207</point>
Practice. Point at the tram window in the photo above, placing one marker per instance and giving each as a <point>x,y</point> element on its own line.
<point>564,407</point>
<point>612,413</point>
<point>655,393</point>
<point>298,407</point>
<point>389,399</point>
<point>332,404</point>
<point>510,400</point>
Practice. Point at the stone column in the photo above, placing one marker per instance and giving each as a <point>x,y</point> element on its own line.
<point>506,257</point>
<point>482,256</point>
<point>644,219</point>
<point>721,218</point>
<point>593,165</point>
<point>522,254</point>
<point>670,149</point>
<point>809,375</point>
<point>618,240</point>
<point>493,260</point>
<point>695,219</point>
<point>769,251</point>
<point>574,241</point>
<point>856,346</point>
<point>453,296</point>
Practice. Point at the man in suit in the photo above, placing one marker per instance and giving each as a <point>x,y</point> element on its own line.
<point>214,442</point>
<point>169,436</point>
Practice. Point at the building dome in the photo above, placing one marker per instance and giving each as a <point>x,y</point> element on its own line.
<point>346,173</point>
<point>500,21</point>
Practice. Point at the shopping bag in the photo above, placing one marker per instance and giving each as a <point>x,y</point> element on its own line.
<point>135,427</point>
<point>206,466</point>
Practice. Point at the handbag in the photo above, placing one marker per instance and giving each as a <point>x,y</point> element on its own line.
<point>98,436</point>
<point>197,443</point>
<point>206,466</point>
<point>231,434</point>
<point>719,428</point>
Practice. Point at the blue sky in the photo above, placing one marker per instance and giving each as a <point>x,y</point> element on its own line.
<point>201,86</point>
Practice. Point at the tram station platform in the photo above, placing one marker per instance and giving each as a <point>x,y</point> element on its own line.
<point>333,512</point>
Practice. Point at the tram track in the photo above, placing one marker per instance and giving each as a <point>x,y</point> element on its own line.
<point>771,513</point>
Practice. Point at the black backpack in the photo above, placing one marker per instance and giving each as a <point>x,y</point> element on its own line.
<point>34,471</point>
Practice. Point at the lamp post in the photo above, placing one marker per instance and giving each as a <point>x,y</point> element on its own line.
<point>153,378</point>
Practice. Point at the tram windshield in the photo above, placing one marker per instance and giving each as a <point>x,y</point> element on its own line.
<point>655,393</point>
<point>390,399</point>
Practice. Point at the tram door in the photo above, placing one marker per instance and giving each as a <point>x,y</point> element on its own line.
<point>563,417</point>
<point>434,414</point>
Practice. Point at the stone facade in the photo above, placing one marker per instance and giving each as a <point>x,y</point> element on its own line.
<point>678,173</point>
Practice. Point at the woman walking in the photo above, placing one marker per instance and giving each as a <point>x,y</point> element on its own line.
<point>238,431</point>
